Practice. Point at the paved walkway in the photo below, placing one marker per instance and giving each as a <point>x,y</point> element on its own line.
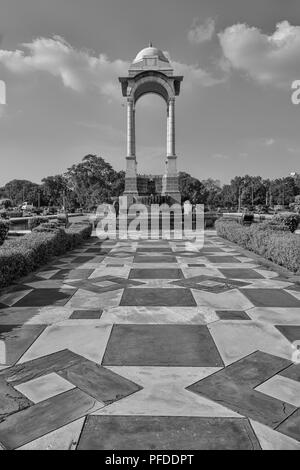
<point>148,345</point>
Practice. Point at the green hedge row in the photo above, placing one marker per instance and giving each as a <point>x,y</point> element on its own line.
<point>280,247</point>
<point>4,227</point>
<point>23,255</point>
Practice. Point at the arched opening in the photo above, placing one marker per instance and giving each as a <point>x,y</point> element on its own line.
<point>150,133</point>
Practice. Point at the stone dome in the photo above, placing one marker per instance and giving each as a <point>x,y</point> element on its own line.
<point>150,52</point>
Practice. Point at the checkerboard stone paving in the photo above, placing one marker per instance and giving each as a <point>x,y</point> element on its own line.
<point>147,344</point>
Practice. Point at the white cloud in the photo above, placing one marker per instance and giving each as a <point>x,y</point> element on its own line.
<point>269,142</point>
<point>78,70</point>
<point>267,58</point>
<point>195,75</point>
<point>2,92</point>
<point>201,32</point>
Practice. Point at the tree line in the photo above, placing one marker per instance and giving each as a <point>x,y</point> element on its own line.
<point>93,181</point>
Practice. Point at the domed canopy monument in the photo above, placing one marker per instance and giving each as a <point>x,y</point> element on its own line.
<point>151,72</point>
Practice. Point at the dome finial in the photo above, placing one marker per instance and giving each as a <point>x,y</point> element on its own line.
<point>150,44</point>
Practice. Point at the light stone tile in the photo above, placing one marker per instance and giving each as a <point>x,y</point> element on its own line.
<point>87,340</point>
<point>273,440</point>
<point>267,274</point>
<point>282,388</point>
<point>275,316</point>
<point>50,284</point>
<point>12,297</point>
<point>49,315</point>
<point>44,387</point>
<point>208,271</point>
<point>65,438</point>
<point>230,300</point>
<point>236,340</point>
<point>161,283</point>
<point>47,274</point>
<point>111,271</point>
<point>159,315</point>
<point>265,284</point>
<point>294,293</point>
<point>86,299</point>
<point>164,393</point>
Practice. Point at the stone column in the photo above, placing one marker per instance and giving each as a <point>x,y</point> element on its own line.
<point>130,129</point>
<point>131,176</point>
<point>170,183</point>
<point>171,128</point>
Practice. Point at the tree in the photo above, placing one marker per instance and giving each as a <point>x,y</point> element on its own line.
<point>21,190</point>
<point>53,188</point>
<point>94,181</point>
<point>191,189</point>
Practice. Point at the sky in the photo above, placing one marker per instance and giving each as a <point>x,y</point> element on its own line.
<point>61,59</point>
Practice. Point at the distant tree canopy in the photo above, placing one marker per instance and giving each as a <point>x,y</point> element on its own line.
<point>93,181</point>
<point>19,191</point>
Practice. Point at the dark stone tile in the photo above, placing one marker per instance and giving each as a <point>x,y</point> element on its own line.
<point>154,259</point>
<point>166,433</point>
<point>44,417</point>
<point>166,273</point>
<point>210,283</point>
<point>115,265</point>
<point>99,382</point>
<point>29,370</point>
<point>292,372</point>
<point>233,387</point>
<point>291,332</point>
<point>232,315</point>
<point>222,259</point>
<point>149,249</point>
<point>17,316</point>
<point>17,339</point>
<point>86,314</point>
<point>240,273</point>
<point>211,249</point>
<point>161,345</point>
<point>96,250</point>
<point>11,400</point>
<point>158,297</point>
<point>73,274</point>
<point>43,297</point>
<point>188,254</point>
<point>82,259</point>
<point>194,265</point>
<point>271,298</point>
<point>291,426</point>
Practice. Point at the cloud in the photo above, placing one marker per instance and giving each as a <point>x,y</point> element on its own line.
<point>266,58</point>
<point>201,32</point>
<point>78,69</point>
<point>269,142</point>
<point>2,92</point>
<point>195,75</point>
<point>81,70</point>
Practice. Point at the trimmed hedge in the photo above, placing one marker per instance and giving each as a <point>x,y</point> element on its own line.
<point>36,221</point>
<point>23,255</point>
<point>280,247</point>
<point>4,227</point>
